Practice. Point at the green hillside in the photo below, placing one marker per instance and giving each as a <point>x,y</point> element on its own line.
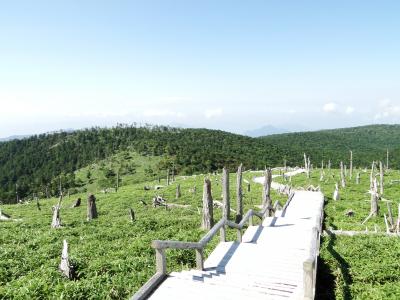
<point>37,164</point>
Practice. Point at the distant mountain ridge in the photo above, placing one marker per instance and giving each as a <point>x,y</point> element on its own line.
<point>266,130</point>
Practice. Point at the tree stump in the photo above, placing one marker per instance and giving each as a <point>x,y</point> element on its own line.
<point>225,194</point>
<point>178,191</point>
<point>91,208</point>
<point>336,195</point>
<point>239,195</point>
<point>208,216</point>
<point>56,221</point>
<point>342,177</point>
<point>65,267</point>
<point>77,203</point>
<point>358,178</point>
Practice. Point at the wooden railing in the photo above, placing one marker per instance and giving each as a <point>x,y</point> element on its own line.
<point>161,246</point>
<point>310,264</point>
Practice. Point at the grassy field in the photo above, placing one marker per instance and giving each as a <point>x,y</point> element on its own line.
<point>113,257</point>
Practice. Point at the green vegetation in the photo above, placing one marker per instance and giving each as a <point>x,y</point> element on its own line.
<point>112,255</point>
<point>35,164</point>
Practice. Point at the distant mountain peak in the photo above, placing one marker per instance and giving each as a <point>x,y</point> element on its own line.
<point>266,130</point>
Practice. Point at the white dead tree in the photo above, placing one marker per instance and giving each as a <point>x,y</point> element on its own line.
<point>336,195</point>
<point>351,164</point>
<point>65,267</point>
<point>342,176</point>
<point>374,197</point>
<point>56,220</point>
<point>208,216</point>
<point>381,174</point>
<point>225,193</point>
<point>358,178</point>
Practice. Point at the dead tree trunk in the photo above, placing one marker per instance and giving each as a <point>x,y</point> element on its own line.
<point>225,194</point>
<point>336,195</point>
<point>387,159</point>
<point>208,217</point>
<point>178,191</point>
<point>342,178</point>
<point>77,203</point>
<point>381,171</point>
<point>167,176</point>
<point>267,202</point>
<point>56,221</point>
<point>132,215</point>
<point>65,267</point>
<point>358,178</point>
<point>308,168</point>
<point>351,164</point>
<point>374,196</point>
<point>91,208</point>
<point>329,165</point>
<point>239,195</point>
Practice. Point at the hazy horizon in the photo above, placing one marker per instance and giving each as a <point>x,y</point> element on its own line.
<point>234,66</point>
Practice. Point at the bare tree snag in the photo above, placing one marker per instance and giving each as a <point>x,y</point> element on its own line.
<point>208,216</point>
<point>239,194</point>
<point>178,191</point>
<point>329,165</point>
<point>381,171</point>
<point>56,220</point>
<point>167,177</point>
<point>358,178</point>
<point>91,208</point>
<point>132,215</point>
<point>77,203</point>
<point>225,194</point>
<point>374,197</point>
<point>65,267</point>
<point>342,178</point>
<point>266,201</point>
<point>387,159</point>
<point>336,195</point>
<point>351,164</point>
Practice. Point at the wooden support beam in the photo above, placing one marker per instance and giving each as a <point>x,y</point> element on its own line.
<point>208,217</point>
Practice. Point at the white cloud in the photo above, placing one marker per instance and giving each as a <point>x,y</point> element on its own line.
<point>162,113</point>
<point>330,107</point>
<point>349,110</point>
<point>212,113</point>
<point>387,109</point>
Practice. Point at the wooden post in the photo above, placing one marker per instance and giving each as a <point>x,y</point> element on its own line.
<point>161,261</point>
<point>239,195</point>
<point>308,167</point>
<point>381,171</point>
<point>178,191</point>
<point>91,208</point>
<point>351,164</point>
<point>225,194</point>
<point>266,201</point>
<point>65,267</point>
<point>343,180</point>
<point>199,259</point>
<point>208,218</point>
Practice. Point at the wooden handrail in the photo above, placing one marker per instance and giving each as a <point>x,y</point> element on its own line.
<point>160,246</point>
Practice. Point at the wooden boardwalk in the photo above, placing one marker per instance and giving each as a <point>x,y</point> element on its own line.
<point>275,260</point>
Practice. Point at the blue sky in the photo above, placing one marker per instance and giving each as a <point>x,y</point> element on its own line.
<point>232,65</point>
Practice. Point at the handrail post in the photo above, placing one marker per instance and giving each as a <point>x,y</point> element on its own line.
<point>239,235</point>
<point>199,259</point>
<point>161,261</point>
<point>222,234</point>
<point>308,279</point>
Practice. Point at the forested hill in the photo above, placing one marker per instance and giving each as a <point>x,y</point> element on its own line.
<point>37,163</point>
<point>368,143</point>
